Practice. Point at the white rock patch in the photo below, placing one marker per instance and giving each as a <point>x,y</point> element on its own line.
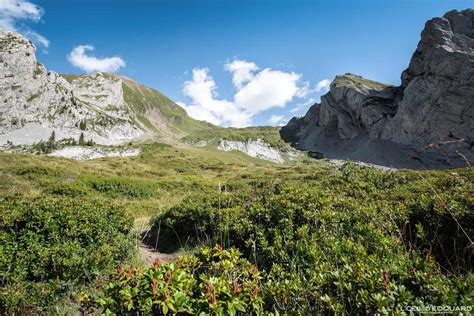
<point>99,90</point>
<point>88,153</point>
<point>33,133</point>
<point>254,148</point>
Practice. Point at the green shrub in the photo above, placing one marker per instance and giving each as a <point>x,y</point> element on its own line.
<point>64,188</point>
<point>195,221</point>
<point>32,172</point>
<point>214,282</point>
<point>326,240</point>
<point>333,249</point>
<point>122,187</point>
<point>51,246</point>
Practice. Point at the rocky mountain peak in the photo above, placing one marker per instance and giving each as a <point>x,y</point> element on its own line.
<point>17,57</point>
<point>102,90</point>
<point>357,82</point>
<point>426,122</point>
<point>12,42</point>
<point>446,48</point>
<point>106,108</point>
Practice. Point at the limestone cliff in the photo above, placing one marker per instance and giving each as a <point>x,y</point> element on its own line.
<point>426,122</point>
<point>106,108</point>
<point>34,102</point>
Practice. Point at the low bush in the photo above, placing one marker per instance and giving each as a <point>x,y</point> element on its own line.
<point>195,221</point>
<point>51,246</point>
<point>370,242</point>
<point>213,282</point>
<point>122,187</point>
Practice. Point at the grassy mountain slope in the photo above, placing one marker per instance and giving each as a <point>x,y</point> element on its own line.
<point>269,134</point>
<point>155,112</point>
<point>153,107</point>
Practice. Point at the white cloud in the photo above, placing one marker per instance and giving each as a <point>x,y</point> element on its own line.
<point>268,89</point>
<point>79,58</point>
<point>242,71</point>
<point>199,113</point>
<point>205,106</point>
<point>256,90</point>
<point>323,85</point>
<point>277,120</point>
<point>304,90</point>
<point>15,13</point>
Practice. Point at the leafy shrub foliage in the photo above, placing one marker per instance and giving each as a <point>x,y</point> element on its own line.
<point>214,281</point>
<point>343,240</point>
<point>50,246</point>
<point>118,187</point>
<point>196,221</point>
<point>369,242</point>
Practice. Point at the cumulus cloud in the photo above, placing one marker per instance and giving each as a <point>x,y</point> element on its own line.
<point>79,58</point>
<point>205,104</point>
<point>268,89</point>
<point>304,90</point>
<point>242,71</point>
<point>15,14</point>
<point>277,120</point>
<point>256,90</point>
<point>323,85</point>
<point>199,113</point>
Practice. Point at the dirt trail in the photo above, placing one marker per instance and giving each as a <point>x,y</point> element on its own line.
<point>147,253</point>
<point>149,256</point>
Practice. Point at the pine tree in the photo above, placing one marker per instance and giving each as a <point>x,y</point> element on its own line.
<point>81,139</point>
<point>51,144</point>
<point>52,138</point>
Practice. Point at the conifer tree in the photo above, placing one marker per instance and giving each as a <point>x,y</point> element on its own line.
<point>81,139</point>
<point>51,144</point>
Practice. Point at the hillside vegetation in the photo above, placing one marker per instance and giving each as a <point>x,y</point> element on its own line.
<point>308,237</point>
<point>154,109</point>
<point>268,134</point>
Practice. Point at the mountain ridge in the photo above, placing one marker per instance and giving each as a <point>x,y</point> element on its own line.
<point>426,122</point>
<point>106,108</point>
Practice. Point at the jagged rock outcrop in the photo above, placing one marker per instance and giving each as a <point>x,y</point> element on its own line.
<point>106,108</point>
<point>34,102</point>
<point>426,122</point>
<point>100,90</point>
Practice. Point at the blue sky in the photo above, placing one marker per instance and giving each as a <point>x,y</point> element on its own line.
<point>252,60</point>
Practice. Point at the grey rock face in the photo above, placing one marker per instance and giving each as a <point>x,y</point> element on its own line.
<point>34,102</point>
<point>438,86</point>
<point>254,148</point>
<point>27,91</point>
<point>426,122</point>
